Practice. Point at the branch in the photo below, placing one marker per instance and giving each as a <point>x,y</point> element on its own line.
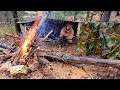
<point>10,35</point>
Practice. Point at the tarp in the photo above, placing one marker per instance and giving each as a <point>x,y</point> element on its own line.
<point>49,25</point>
<point>52,24</point>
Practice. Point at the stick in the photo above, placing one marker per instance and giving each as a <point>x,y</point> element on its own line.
<point>10,35</point>
<point>16,56</point>
<point>5,45</point>
<point>30,54</point>
<point>4,50</point>
<point>47,36</point>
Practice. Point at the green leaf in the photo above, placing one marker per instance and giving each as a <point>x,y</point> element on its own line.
<point>113,55</point>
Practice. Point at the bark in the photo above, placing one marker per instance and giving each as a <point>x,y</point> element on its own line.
<point>17,25</point>
<point>87,17</point>
<point>75,15</point>
<point>117,13</point>
<point>105,16</point>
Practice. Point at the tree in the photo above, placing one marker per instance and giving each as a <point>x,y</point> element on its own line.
<point>88,13</point>
<point>117,13</point>
<point>105,16</point>
<point>75,15</point>
<point>17,25</point>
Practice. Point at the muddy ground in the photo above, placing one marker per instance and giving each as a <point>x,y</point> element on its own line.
<point>62,70</point>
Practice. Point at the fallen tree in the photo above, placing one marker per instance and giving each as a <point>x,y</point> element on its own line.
<point>78,60</point>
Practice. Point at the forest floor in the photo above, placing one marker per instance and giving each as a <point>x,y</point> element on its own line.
<point>62,70</point>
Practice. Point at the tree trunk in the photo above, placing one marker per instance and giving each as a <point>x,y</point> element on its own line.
<point>105,16</point>
<point>117,13</point>
<point>75,15</point>
<point>88,13</point>
<point>17,25</point>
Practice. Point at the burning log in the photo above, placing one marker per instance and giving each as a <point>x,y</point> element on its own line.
<point>16,57</point>
<point>30,54</point>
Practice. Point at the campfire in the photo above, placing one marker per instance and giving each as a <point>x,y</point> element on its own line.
<point>27,41</point>
<point>25,52</point>
<point>21,58</point>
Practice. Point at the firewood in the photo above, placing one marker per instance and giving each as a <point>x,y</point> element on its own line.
<point>4,50</point>
<point>6,58</point>
<point>10,35</point>
<point>30,54</point>
<point>2,55</point>
<point>43,61</point>
<point>16,56</point>
<point>19,51</point>
<point>34,66</point>
<point>6,46</point>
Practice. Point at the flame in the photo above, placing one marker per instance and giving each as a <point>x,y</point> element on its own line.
<point>28,39</point>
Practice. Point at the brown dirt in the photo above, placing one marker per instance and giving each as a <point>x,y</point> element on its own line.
<point>62,70</point>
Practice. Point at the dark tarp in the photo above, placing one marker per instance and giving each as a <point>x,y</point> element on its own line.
<point>52,24</point>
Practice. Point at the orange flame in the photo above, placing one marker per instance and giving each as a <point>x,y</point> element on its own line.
<point>28,39</point>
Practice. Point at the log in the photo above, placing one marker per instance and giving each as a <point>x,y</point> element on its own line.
<point>34,66</point>
<point>6,58</point>
<point>6,46</point>
<point>4,50</point>
<point>30,54</point>
<point>16,56</point>
<point>78,60</point>
<point>43,61</point>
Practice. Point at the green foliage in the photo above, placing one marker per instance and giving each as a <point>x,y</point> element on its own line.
<point>90,41</point>
<point>58,15</point>
<point>7,29</point>
<point>63,14</point>
<point>113,41</point>
<point>21,15</point>
<point>114,47</point>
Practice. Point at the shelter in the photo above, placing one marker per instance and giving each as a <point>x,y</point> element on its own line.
<point>51,24</point>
